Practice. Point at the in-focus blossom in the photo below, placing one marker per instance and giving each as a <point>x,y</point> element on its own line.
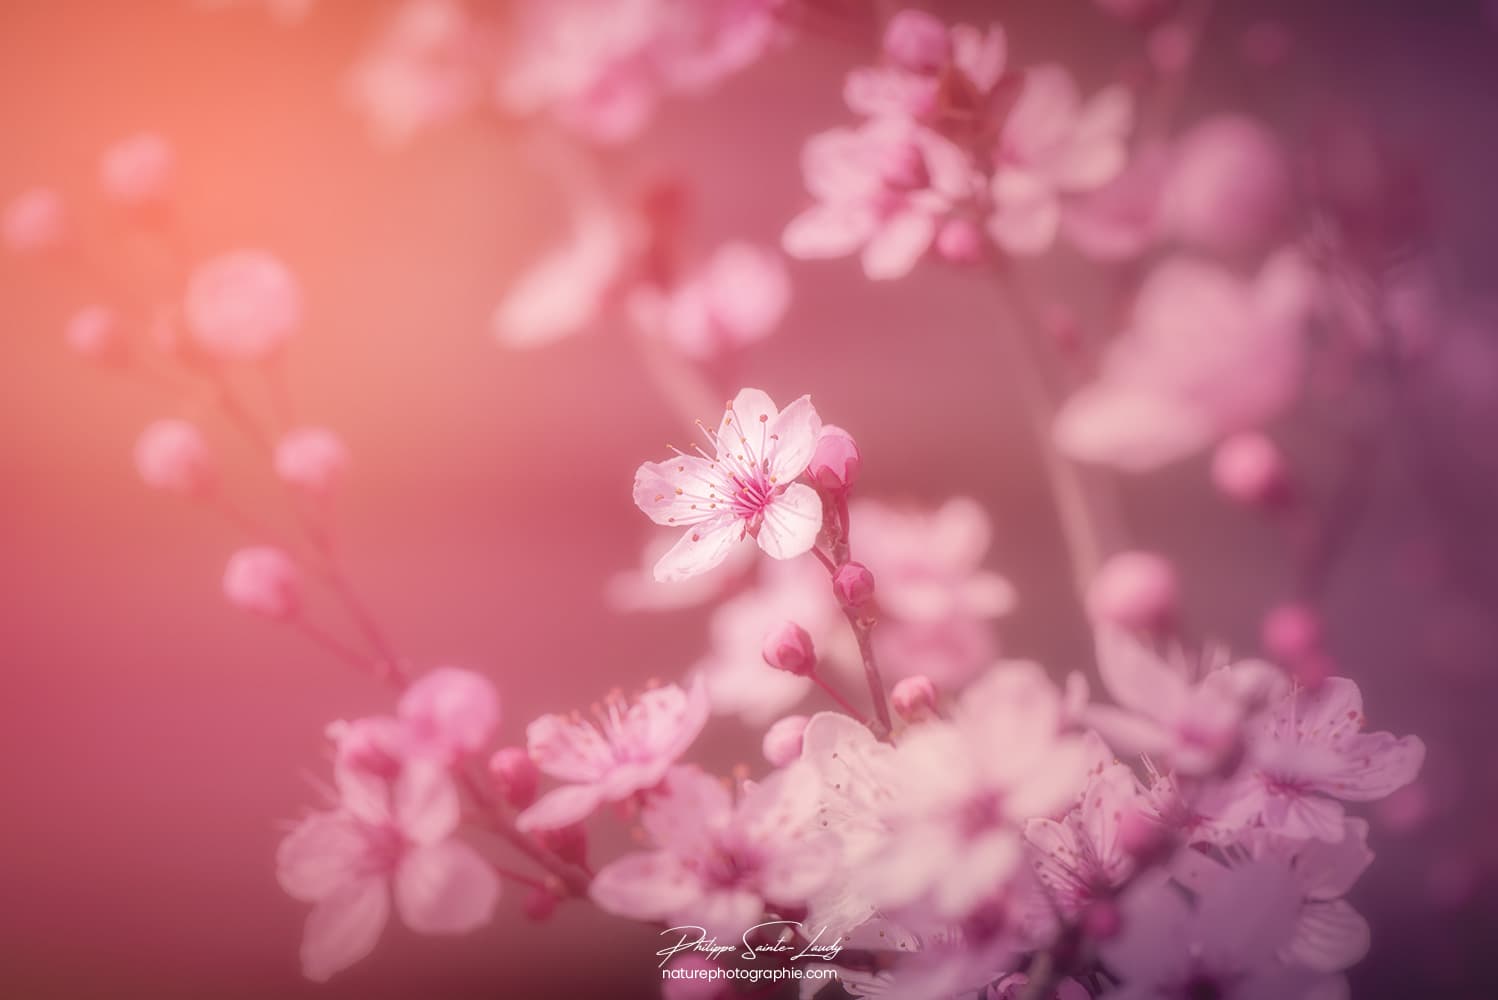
<point>172,455</point>
<point>1053,145</point>
<point>1191,715</point>
<point>746,489</point>
<point>736,297</point>
<point>628,750</point>
<point>937,600</point>
<point>1138,591</point>
<point>1306,756</point>
<point>427,66</point>
<point>717,862</point>
<point>242,305</point>
<point>883,189</point>
<point>1230,187</point>
<point>1225,945</point>
<point>349,861</point>
<point>853,583</point>
<point>264,581</point>
<point>313,459</point>
<point>963,788</point>
<point>1206,354</point>
<point>601,67</point>
<point>94,332</point>
<point>450,712</point>
<point>35,221</point>
<point>138,171</point>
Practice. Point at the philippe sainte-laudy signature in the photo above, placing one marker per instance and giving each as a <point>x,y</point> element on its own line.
<point>694,938</point>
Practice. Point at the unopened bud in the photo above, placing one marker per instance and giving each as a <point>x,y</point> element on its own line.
<point>789,648</point>
<point>93,332</point>
<point>836,462</point>
<point>782,742</point>
<point>1249,468</point>
<point>1291,632</point>
<point>172,455</point>
<point>263,581</point>
<point>960,241</point>
<point>1134,590</point>
<point>914,698</point>
<point>515,775</point>
<point>853,584</point>
<point>904,168</point>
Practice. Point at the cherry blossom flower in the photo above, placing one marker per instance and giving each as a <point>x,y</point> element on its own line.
<point>745,489</point>
<point>1081,859</point>
<point>962,788</point>
<point>1191,714</point>
<point>242,305</point>
<point>718,863</point>
<point>138,171</point>
<point>1207,354</point>
<point>350,860</point>
<point>629,750</point>
<point>736,297</point>
<point>1053,145</point>
<point>1134,590</point>
<point>931,74</point>
<point>882,188</point>
<point>1306,755</point>
<point>1224,946</point>
<point>450,711</point>
<point>937,599</point>
<point>1123,218</point>
<point>602,66</point>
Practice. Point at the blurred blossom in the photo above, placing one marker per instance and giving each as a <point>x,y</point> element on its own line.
<point>242,305</point>
<point>138,171</point>
<point>931,74</point>
<point>601,67</point>
<point>93,332</point>
<point>34,221</point>
<point>1121,219</point>
<point>746,489</point>
<point>450,712</point>
<point>737,296</point>
<point>1230,188</point>
<point>1249,468</point>
<point>312,459</point>
<point>1206,353</point>
<point>1134,590</point>
<point>1081,858</point>
<point>568,288</point>
<point>629,749</point>
<point>172,455</point>
<point>264,581</point>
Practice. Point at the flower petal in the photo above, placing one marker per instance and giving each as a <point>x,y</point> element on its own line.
<point>792,522</point>
<point>320,856</point>
<point>649,885</point>
<point>344,927</point>
<point>703,547</point>
<point>445,888</point>
<point>901,241</point>
<point>793,440</point>
<point>677,492</point>
<point>561,807</point>
<point>426,803</point>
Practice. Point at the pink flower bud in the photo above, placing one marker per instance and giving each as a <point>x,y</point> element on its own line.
<point>960,241</point>
<point>914,698</point>
<point>853,584</point>
<point>311,459</point>
<point>1248,468</point>
<point>138,171</point>
<point>782,742</point>
<point>789,648</point>
<point>917,41</point>
<point>35,221</point>
<point>94,333</point>
<point>836,462</point>
<point>1134,590</point>
<point>242,305</point>
<point>515,775</point>
<point>570,843</point>
<point>263,581</point>
<point>171,455</point>
<point>540,904</point>
<point>452,709</point>
<point>1229,190</point>
<point>904,168</point>
<point>1291,632</point>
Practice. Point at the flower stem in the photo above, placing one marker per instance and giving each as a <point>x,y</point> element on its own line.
<point>572,880</point>
<point>842,702</point>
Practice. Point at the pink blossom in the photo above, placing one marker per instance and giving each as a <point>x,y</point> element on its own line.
<point>34,221</point>
<point>1052,146</point>
<point>736,297</point>
<point>1223,946</point>
<point>931,72</point>
<point>427,66</point>
<point>718,863</point>
<point>853,583</point>
<point>93,332</point>
<point>746,489</point>
<point>914,698</point>
<point>349,861</point>
<point>882,188</point>
<point>1330,935</point>
<point>242,305</point>
<point>1249,468</point>
<point>312,459</point>
<point>937,598</point>
<point>788,648</point>
<point>1189,714</point>
<point>1081,859</point>
<point>450,711</point>
<point>139,170</point>
<point>1206,354</point>
<point>1306,756</point>
<point>836,462</point>
<point>1121,219</point>
<point>1229,189</point>
<point>601,67</point>
<point>567,290</point>
<point>264,581</point>
<point>172,455</point>
<point>1134,590</point>
<point>962,788</point>
<point>629,750</point>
